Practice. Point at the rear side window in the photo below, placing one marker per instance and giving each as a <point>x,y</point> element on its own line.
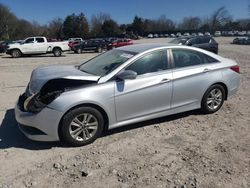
<point>185,58</point>
<point>40,40</point>
<point>205,39</point>
<point>153,62</point>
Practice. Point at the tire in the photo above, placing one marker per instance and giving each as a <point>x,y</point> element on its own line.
<point>213,99</point>
<point>78,51</point>
<point>99,49</point>
<point>16,53</point>
<point>76,131</point>
<point>57,52</point>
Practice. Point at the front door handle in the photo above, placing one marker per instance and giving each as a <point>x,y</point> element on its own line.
<point>165,80</point>
<point>206,70</point>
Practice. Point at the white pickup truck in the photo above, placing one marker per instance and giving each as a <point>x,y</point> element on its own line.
<point>37,46</point>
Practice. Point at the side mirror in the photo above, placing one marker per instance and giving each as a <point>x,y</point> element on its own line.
<point>127,75</point>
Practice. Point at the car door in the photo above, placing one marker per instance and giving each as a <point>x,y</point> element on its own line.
<point>191,77</point>
<point>150,92</point>
<point>40,45</point>
<point>28,46</point>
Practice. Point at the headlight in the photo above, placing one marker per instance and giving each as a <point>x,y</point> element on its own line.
<point>33,104</point>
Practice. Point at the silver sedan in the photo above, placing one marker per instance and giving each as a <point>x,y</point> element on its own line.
<point>131,84</point>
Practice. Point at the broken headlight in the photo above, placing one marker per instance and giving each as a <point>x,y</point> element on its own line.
<point>37,102</point>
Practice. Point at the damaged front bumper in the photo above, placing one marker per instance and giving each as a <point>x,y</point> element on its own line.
<point>41,126</point>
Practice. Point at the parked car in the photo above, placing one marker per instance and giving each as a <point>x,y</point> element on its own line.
<point>186,34</point>
<point>3,46</point>
<point>97,45</point>
<point>150,36</point>
<point>126,85</point>
<point>178,34</point>
<point>74,42</point>
<point>200,34</point>
<point>207,33</point>
<point>75,39</point>
<point>217,33</point>
<point>204,42</point>
<point>36,46</point>
<point>156,35</point>
<point>242,40</point>
<point>172,35</point>
<point>119,43</point>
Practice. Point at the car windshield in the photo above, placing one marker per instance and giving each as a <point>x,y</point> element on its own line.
<point>179,41</point>
<point>106,62</point>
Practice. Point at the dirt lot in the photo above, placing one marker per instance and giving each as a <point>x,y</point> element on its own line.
<point>184,150</point>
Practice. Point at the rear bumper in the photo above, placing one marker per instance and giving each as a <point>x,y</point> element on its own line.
<point>42,126</point>
<point>8,52</point>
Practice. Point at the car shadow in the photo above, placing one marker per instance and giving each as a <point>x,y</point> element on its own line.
<point>164,119</point>
<point>32,56</point>
<point>11,136</point>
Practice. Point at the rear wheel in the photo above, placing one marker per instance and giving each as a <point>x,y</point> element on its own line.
<point>213,99</point>
<point>78,51</point>
<point>81,126</point>
<point>57,52</point>
<point>99,49</point>
<point>16,53</point>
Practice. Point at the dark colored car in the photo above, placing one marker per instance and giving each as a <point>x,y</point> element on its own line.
<point>97,45</point>
<point>74,43</point>
<point>119,43</point>
<point>3,46</point>
<point>204,42</point>
<point>242,40</point>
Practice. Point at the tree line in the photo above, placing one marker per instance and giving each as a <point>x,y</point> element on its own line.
<point>102,25</point>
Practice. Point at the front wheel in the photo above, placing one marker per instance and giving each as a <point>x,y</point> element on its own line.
<point>57,52</point>
<point>213,99</point>
<point>16,53</point>
<point>81,126</point>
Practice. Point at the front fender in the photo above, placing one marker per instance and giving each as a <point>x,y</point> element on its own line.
<point>101,95</point>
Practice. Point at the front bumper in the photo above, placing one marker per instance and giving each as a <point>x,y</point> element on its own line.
<point>42,126</point>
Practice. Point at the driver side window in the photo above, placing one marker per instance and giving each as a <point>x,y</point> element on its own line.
<point>30,40</point>
<point>153,62</point>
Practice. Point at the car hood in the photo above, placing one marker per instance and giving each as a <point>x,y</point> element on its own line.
<point>42,75</point>
<point>14,45</point>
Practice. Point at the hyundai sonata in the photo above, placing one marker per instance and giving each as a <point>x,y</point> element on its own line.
<point>126,85</point>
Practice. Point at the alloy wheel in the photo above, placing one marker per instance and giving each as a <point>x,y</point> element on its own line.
<point>214,99</point>
<point>83,127</point>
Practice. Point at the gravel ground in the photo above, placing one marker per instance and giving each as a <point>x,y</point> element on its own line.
<point>184,150</point>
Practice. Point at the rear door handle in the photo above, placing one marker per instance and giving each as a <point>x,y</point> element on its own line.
<point>206,70</point>
<point>165,80</point>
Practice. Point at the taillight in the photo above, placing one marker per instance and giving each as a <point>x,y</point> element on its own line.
<point>235,68</point>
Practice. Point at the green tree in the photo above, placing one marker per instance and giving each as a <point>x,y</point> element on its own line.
<point>110,28</point>
<point>138,26</point>
<point>75,26</point>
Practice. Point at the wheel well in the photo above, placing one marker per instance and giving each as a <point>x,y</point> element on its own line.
<point>56,48</point>
<point>105,116</point>
<point>225,88</point>
<point>16,49</point>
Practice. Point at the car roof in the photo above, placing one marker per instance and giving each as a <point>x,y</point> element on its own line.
<point>139,48</point>
<point>142,48</point>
